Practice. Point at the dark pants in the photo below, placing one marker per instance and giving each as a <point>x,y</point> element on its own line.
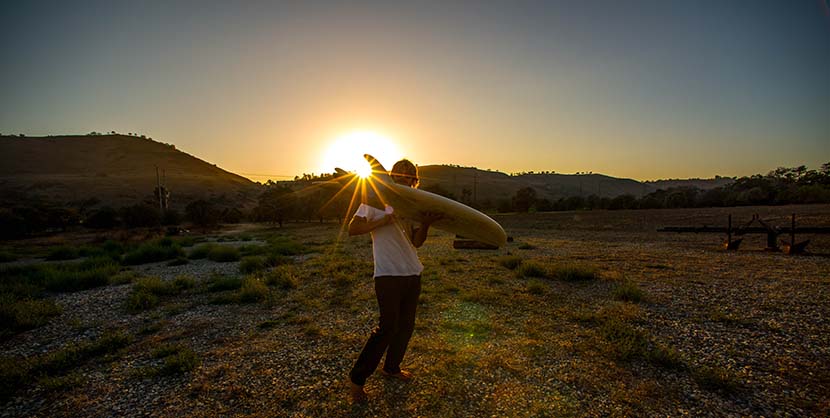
<point>397,300</point>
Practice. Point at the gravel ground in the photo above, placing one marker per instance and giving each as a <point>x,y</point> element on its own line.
<point>484,345</point>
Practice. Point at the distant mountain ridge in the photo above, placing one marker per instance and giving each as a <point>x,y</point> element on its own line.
<point>120,170</point>
<point>483,185</point>
<point>116,169</point>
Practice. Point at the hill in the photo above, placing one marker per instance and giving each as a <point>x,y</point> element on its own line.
<point>115,169</point>
<point>484,185</point>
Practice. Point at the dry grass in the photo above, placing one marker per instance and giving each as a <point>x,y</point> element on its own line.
<point>610,319</point>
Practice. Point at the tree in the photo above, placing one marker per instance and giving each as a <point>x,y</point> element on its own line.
<point>202,213</point>
<point>276,204</point>
<point>525,199</point>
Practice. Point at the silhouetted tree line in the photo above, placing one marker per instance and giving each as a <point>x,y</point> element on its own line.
<point>782,186</point>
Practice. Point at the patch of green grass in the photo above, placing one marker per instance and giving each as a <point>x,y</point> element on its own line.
<point>509,261</point>
<point>63,252</point>
<point>282,245</point>
<point>282,277</point>
<point>574,273</point>
<point>21,315</point>
<point>201,251</point>
<point>147,292</point>
<point>716,379</point>
<point>531,269</point>
<point>72,277</point>
<point>666,357</point>
<point>536,287</point>
<point>59,383</point>
<point>628,291</point>
<point>151,252</point>
<point>274,260</point>
<point>74,355</point>
<point>252,264</point>
<point>253,290</point>
<point>223,254</point>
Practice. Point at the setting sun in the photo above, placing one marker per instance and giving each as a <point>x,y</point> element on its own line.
<point>346,152</point>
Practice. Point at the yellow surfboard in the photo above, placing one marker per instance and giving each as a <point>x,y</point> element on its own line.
<point>380,190</point>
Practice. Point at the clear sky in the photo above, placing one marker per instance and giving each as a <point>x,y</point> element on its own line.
<point>638,89</point>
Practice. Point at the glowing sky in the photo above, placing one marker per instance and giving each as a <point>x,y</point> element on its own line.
<point>639,89</point>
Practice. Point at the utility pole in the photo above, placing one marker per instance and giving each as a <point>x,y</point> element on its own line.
<point>158,189</point>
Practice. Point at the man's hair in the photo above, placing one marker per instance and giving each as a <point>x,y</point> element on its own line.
<point>405,168</point>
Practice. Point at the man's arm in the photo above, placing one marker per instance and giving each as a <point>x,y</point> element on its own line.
<point>360,225</point>
<point>419,235</point>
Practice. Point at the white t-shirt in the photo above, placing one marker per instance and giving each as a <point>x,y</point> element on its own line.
<point>393,252</point>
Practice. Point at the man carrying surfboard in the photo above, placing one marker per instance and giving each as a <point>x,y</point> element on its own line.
<point>397,283</point>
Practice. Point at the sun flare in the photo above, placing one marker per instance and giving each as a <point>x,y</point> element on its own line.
<point>346,152</point>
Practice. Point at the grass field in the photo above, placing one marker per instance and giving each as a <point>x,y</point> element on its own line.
<point>583,314</point>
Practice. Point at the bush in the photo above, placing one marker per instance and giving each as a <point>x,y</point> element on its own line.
<point>223,254</point>
<point>274,260</point>
<point>282,277</point>
<point>73,277</point>
<point>202,213</point>
<point>252,264</point>
<point>161,250</point>
<point>63,252</point>
<point>628,291</point>
<point>509,261</point>
<point>171,217</point>
<point>574,273</point>
<point>140,215</point>
<point>253,290</point>
<point>182,361</point>
<point>139,301</point>
<point>21,315</point>
<point>154,285</point>
<point>536,287</point>
<point>104,218</point>
<point>201,251</point>
<point>221,283</point>
<point>184,282</point>
<point>531,269</point>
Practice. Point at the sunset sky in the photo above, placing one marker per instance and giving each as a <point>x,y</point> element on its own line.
<point>637,89</point>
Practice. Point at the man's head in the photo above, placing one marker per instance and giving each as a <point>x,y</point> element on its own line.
<point>404,172</point>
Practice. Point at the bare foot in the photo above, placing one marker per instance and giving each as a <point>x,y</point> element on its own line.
<point>401,375</point>
<point>357,393</point>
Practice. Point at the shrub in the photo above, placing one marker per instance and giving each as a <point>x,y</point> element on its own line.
<point>201,251</point>
<point>223,254</point>
<point>252,264</point>
<point>140,301</point>
<point>574,273</point>
<point>274,260</point>
<point>282,277</point>
<point>21,315</point>
<point>140,215</point>
<point>104,218</point>
<point>183,282</point>
<point>509,261</point>
<point>253,290</point>
<point>88,274</point>
<point>183,361</point>
<point>716,379</point>
<point>536,287</point>
<point>626,341</point>
<point>285,246</point>
<point>161,250</point>
<point>531,269</point>
<point>63,252</point>
<point>221,283</point>
<point>628,291</point>
<point>154,285</point>
<point>202,213</point>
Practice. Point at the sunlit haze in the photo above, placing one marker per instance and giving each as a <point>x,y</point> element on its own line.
<point>639,89</point>
<point>347,150</point>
